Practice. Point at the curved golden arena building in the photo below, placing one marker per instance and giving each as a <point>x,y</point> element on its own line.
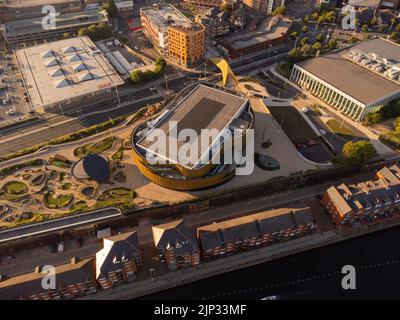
<point>199,107</point>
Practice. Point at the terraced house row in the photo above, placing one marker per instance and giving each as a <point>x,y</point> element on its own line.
<point>369,200</point>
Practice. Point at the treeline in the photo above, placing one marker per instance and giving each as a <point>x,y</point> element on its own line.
<point>139,76</point>
<point>390,110</point>
<point>96,32</point>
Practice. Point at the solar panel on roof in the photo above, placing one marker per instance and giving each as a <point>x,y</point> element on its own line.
<point>196,119</point>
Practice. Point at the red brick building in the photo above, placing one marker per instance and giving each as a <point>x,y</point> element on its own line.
<point>254,230</point>
<point>176,244</point>
<point>366,200</point>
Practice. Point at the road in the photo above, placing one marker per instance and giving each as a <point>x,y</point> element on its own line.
<point>52,128</point>
<point>313,274</point>
<point>76,220</point>
<point>25,263</point>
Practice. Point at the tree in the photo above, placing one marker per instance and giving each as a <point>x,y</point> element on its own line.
<point>317,46</point>
<point>139,76</point>
<point>306,51</point>
<point>396,124</point>
<point>306,18</point>
<point>374,21</point>
<point>294,35</point>
<point>319,37</point>
<point>398,28</point>
<point>111,8</point>
<point>66,35</point>
<point>98,32</point>
<point>358,152</point>
<point>332,44</point>
<point>364,28</point>
<point>304,29</point>
<point>279,11</point>
<point>352,39</point>
<point>394,35</point>
<point>295,55</point>
<point>82,32</point>
<point>304,41</point>
<point>372,118</point>
<point>314,15</point>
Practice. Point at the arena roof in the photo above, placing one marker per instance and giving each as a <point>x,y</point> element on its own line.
<point>356,81</point>
<point>58,71</point>
<point>203,108</point>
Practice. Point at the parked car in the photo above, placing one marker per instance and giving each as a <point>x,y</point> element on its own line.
<point>60,247</point>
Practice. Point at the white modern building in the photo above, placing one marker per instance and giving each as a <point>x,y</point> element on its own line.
<point>357,80</point>
<point>67,71</point>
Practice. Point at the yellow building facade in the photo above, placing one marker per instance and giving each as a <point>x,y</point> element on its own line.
<point>186,46</point>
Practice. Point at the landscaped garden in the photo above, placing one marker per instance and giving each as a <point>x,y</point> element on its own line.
<point>115,197</point>
<point>79,206</point>
<point>11,169</point>
<point>54,201</point>
<point>15,188</point>
<point>60,163</point>
<point>97,147</point>
<point>117,156</point>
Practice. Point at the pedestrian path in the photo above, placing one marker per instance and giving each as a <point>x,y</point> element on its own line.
<point>380,148</point>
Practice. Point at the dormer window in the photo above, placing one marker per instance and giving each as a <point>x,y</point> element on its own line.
<point>116,260</point>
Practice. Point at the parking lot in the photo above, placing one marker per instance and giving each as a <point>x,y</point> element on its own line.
<point>14,102</point>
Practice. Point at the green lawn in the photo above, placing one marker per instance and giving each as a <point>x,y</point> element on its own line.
<point>118,155</point>
<point>341,130</point>
<point>60,163</point>
<point>56,202</point>
<point>79,206</point>
<point>294,125</point>
<point>66,186</point>
<point>97,147</point>
<point>15,188</point>
<point>115,197</point>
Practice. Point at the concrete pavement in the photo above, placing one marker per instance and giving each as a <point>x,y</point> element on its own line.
<point>380,148</point>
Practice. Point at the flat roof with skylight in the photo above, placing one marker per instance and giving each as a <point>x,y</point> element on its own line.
<point>367,71</point>
<point>203,108</point>
<point>57,72</point>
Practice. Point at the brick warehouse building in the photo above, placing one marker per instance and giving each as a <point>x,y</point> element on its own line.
<point>366,200</point>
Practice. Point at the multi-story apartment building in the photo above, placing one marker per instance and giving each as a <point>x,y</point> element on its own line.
<point>176,244</point>
<point>254,230</point>
<point>12,10</point>
<point>119,260</point>
<point>73,279</point>
<point>186,45</point>
<point>366,200</point>
<point>204,3</point>
<point>163,24</point>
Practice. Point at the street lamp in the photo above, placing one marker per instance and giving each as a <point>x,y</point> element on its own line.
<point>166,82</point>
<point>116,90</point>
